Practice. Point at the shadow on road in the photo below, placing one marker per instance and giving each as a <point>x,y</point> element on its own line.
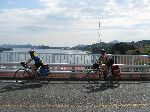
<point>104,86</point>
<point>14,87</point>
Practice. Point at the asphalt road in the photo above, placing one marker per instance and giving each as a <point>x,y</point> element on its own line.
<point>74,96</point>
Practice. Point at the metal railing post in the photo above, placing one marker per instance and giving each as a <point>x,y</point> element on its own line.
<point>10,57</point>
<point>0,57</point>
<point>53,58</point>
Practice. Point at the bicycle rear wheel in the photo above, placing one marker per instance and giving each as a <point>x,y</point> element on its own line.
<point>111,80</point>
<point>41,79</point>
<point>22,76</point>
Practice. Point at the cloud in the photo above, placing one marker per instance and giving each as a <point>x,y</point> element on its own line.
<point>74,20</point>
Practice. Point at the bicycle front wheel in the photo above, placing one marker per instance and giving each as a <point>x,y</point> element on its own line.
<point>92,76</point>
<point>22,76</point>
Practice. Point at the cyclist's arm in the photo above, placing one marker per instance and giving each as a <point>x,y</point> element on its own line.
<point>29,60</point>
<point>100,61</point>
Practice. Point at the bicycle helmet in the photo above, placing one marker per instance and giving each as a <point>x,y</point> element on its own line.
<point>102,51</point>
<point>31,52</point>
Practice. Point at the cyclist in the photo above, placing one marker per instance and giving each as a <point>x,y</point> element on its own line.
<point>38,62</point>
<point>107,60</point>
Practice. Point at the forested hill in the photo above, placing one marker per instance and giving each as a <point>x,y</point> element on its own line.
<point>144,42</point>
<point>133,48</point>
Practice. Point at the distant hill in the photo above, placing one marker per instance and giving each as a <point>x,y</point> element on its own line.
<point>25,46</point>
<point>144,42</point>
<point>43,47</point>
<point>31,46</point>
<point>114,41</point>
<point>5,49</point>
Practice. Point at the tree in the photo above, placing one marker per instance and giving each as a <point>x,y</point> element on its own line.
<point>137,52</point>
<point>122,48</point>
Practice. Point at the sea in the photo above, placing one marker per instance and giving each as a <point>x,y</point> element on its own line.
<point>61,51</point>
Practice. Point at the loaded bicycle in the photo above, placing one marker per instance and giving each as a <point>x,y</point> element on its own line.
<point>95,74</point>
<point>24,74</point>
<point>98,73</point>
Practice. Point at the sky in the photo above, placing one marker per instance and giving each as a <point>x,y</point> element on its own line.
<point>73,22</point>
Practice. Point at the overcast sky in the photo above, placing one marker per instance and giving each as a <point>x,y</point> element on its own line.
<point>73,22</point>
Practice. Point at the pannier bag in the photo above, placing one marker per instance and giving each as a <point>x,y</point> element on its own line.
<point>44,70</point>
<point>116,71</point>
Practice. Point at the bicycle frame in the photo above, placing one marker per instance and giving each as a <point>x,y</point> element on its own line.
<point>96,75</point>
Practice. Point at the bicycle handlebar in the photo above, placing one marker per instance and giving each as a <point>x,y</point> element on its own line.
<point>24,64</point>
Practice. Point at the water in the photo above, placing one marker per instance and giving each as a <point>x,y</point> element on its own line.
<point>61,51</point>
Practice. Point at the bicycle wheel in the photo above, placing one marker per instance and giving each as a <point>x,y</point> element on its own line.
<point>111,80</point>
<point>47,78</point>
<point>115,80</point>
<point>41,79</point>
<point>22,76</point>
<point>92,76</point>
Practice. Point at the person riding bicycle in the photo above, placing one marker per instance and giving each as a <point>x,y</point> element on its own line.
<point>38,62</point>
<point>107,60</point>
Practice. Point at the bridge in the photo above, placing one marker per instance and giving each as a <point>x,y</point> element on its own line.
<point>76,96</point>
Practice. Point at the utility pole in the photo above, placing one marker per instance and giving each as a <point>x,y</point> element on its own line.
<point>99,35</point>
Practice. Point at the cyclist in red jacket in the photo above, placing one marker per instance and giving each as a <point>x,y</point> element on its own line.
<point>107,60</point>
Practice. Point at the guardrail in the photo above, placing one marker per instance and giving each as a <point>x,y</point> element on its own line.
<point>75,58</point>
<point>54,67</point>
<point>79,68</point>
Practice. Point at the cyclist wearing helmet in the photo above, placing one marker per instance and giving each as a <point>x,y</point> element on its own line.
<point>37,61</point>
<point>107,60</point>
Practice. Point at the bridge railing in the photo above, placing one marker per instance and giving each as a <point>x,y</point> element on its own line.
<point>78,68</point>
<point>75,58</point>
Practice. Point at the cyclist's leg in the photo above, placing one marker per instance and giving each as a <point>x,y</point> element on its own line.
<point>109,70</point>
<point>109,67</point>
<point>34,68</point>
<point>105,72</point>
